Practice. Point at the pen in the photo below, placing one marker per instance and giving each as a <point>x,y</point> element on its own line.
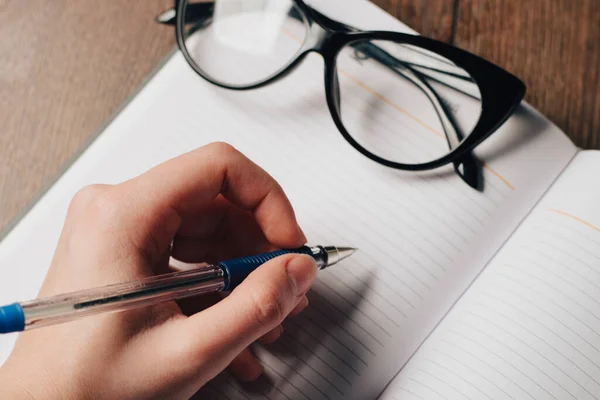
<point>223,276</point>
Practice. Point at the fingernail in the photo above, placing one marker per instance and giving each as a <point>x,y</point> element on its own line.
<point>304,302</point>
<point>301,305</point>
<point>302,269</point>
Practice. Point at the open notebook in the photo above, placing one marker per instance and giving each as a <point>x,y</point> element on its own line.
<point>412,315</point>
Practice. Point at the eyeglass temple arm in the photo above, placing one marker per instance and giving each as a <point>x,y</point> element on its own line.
<point>470,172</point>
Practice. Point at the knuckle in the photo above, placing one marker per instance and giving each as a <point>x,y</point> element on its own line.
<point>223,149</point>
<point>105,207</point>
<point>97,203</point>
<point>84,197</point>
<point>269,306</point>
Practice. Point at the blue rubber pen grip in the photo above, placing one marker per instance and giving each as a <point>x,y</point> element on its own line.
<point>12,318</point>
<point>238,269</point>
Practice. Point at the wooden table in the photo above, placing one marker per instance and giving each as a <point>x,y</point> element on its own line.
<point>66,67</point>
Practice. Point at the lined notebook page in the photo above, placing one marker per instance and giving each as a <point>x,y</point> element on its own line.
<point>422,237</point>
<point>529,327</point>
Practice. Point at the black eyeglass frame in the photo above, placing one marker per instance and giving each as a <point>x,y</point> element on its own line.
<point>500,91</point>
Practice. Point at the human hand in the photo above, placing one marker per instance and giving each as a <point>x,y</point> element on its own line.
<point>211,204</point>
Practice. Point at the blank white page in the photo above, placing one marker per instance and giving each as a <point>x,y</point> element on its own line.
<point>529,327</point>
<point>422,237</point>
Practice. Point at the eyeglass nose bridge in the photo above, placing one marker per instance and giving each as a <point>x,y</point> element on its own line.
<point>318,39</point>
<point>325,35</point>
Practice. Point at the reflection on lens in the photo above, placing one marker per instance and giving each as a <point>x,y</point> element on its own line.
<point>403,103</point>
<point>242,42</point>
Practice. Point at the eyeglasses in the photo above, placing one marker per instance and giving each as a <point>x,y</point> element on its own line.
<point>405,101</point>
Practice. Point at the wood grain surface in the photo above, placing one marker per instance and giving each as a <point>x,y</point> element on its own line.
<point>553,45</point>
<point>434,19</point>
<point>67,66</point>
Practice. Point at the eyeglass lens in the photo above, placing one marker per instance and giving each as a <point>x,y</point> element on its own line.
<point>403,103</point>
<point>242,42</point>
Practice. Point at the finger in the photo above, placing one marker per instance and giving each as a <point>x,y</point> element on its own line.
<point>272,335</point>
<point>196,304</point>
<point>162,266</point>
<point>246,367</point>
<point>299,307</point>
<point>192,250</point>
<point>154,202</point>
<point>254,308</point>
<point>204,221</point>
<point>193,305</point>
<point>239,236</point>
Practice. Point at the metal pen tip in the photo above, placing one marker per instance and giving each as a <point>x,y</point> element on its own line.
<point>336,254</point>
<point>345,252</point>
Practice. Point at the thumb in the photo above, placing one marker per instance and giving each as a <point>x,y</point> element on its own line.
<point>259,304</point>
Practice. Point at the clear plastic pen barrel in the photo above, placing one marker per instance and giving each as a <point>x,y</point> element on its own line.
<point>122,296</point>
